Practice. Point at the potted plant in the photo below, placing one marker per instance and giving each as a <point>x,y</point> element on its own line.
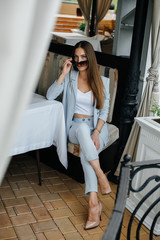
<point>156,109</point>
<point>82,26</point>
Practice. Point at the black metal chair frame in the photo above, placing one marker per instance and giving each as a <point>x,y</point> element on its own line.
<point>128,171</point>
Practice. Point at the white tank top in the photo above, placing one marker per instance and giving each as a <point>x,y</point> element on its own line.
<point>84,103</point>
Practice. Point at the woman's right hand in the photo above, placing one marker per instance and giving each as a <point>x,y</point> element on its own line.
<point>67,66</point>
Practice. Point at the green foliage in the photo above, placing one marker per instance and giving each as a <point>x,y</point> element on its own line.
<point>82,26</point>
<point>156,109</point>
<point>115,3</point>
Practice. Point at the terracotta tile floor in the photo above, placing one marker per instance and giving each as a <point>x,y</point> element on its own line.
<point>54,211</point>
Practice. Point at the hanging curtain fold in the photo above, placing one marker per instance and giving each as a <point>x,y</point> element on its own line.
<point>151,88</point>
<point>101,10</point>
<point>24,36</point>
<point>85,6</point>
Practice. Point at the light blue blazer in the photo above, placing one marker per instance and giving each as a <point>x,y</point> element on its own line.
<point>69,89</point>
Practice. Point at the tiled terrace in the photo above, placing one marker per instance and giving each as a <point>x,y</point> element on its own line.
<point>54,211</point>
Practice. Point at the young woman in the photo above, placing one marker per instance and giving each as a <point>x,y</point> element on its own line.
<point>86,104</point>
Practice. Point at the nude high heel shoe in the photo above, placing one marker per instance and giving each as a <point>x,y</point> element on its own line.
<point>89,224</point>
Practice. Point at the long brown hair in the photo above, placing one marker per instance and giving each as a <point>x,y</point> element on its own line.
<point>94,78</point>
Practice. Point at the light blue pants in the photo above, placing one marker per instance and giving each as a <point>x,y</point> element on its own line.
<point>80,133</point>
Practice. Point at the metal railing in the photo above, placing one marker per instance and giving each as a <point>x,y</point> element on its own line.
<point>128,172</point>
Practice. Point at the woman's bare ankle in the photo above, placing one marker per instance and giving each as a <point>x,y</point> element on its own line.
<point>93,200</point>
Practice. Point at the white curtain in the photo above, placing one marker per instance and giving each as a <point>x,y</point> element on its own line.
<point>151,89</point>
<point>101,10</point>
<point>155,51</point>
<point>85,6</point>
<point>25,28</point>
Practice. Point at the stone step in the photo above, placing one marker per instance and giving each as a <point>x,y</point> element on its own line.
<point>77,19</point>
<point>68,21</point>
<point>66,26</point>
<point>62,30</point>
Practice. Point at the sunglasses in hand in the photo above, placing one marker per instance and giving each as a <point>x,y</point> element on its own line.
<point>82,63</point>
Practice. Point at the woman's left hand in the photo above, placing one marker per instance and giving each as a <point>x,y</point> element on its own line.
<point>95,139</point>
